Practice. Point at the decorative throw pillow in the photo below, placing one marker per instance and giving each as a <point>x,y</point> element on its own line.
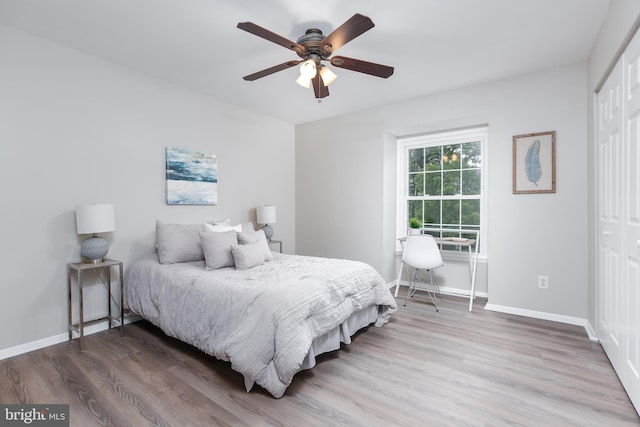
<point>247,227</point>
<point>247,256</point>
<point>217,248</point>
<point>256,237</point>
<point>178,242</point>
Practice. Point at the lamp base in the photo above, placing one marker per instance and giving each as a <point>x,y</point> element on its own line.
<point>268,231</point>
<point>94,249</point>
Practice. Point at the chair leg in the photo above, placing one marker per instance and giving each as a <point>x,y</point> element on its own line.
<point>432,292</point>
<point>412,287</point>
<point>432,288</point>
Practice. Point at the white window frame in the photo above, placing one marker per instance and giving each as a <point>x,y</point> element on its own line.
<point>480,133</point>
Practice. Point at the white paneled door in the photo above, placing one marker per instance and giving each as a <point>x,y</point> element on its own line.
<point>618,257</point>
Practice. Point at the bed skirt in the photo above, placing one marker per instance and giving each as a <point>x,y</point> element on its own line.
<point>331,340</point>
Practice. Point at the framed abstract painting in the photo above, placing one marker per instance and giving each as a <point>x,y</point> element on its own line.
<point>192,177</point>
<point>534,163</point>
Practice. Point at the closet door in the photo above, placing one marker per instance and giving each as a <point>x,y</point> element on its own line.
<point>631,219</point>
<point>609,213</point>
<point>618,203</point>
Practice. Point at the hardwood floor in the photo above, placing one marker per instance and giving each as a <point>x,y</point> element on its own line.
<point>451,368</point>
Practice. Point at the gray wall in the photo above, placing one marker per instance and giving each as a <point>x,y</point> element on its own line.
<point>75,129</point>
<point>343,166</point>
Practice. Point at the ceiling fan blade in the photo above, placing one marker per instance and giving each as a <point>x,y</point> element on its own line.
<point>346,32</point>
<point>259,31</point>
<point>271,70</point>
<point>360,66</point>
<point>319,88</point>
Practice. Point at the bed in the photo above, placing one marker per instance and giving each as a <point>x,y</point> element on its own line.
<point>269,320</point>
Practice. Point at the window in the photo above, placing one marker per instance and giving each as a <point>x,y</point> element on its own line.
<point>441,183</point>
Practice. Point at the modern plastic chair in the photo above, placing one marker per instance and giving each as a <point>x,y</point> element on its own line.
<point>423,254</point>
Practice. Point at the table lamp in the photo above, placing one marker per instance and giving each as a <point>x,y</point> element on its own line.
<point>266,215</point>
<point>93,219</point>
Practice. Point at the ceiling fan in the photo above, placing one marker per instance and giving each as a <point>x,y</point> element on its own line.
<point>314,47</point>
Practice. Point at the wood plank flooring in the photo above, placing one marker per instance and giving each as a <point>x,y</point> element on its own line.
<point>450,368</point>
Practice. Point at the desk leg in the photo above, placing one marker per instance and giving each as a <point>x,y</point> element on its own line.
<point>473,259</point>
<point>398,281</point>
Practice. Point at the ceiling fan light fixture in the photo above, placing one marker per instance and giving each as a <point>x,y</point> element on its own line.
<point>308,69</point>
<point>327,75</point>
<point>304,81</point>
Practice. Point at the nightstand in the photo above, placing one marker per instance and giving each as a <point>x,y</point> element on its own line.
<point>275,242</point>
<point>79,268</point>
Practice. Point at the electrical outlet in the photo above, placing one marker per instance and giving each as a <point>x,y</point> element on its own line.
<point>543,282</point>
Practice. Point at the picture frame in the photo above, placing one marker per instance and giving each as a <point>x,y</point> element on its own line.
<point>534,163</point>
<point>191,177</point>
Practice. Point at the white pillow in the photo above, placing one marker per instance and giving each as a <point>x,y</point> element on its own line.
<point>223,222</point>
<point>178,242</point>
<point>217,248</point>
<point>222,228</point>
<point>256,237</point>
<point>247,256</point>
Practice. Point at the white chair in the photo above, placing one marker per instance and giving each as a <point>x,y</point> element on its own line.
<point>423,254</point>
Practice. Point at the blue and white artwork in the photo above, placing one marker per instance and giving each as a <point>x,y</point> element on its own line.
<point>192,177</point>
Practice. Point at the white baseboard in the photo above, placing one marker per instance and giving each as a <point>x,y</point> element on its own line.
<point>443,289</point>
<point>570,320</point>
<point>591,333</point>
<point>57,339</point>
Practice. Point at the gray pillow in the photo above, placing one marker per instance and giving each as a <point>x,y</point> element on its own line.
<point>217,248</point>
<point>247,256</point>
<point>178,242</point>
<point>256,237</point>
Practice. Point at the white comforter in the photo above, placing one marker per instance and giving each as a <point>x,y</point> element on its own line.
<point>262,320</point>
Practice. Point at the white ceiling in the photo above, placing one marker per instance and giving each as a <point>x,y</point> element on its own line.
<point>434,45</point>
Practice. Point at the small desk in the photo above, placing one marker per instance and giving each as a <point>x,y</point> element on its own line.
<point>79,268</point>
<point>473,255</point>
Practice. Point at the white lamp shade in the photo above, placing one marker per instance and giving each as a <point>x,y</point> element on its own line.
<point>95,218</point>
<point>266,214</point>
<point>327,75</point>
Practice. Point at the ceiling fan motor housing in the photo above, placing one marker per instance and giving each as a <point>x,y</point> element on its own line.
<point>311,42</point>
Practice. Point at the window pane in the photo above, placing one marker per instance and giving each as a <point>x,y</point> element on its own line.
<point>451,183</point>
<point>416,160</point>
<point>433,159</point>
<point>451,156</point>
<point>471,157</point>
<point>450,211</point>
<point>432,213</point>
<point>415,210</point>
<point>470,235</point>
<point>470,212</point>
<point>432,184</point>
<point>471,182</point>
<point>416,184</point>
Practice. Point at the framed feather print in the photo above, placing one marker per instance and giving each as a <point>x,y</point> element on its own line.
<point>534,163</point>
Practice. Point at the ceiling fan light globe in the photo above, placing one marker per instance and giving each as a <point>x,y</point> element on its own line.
<point>304,81</point>
<point>308,69</point>
<point>327,76</point>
